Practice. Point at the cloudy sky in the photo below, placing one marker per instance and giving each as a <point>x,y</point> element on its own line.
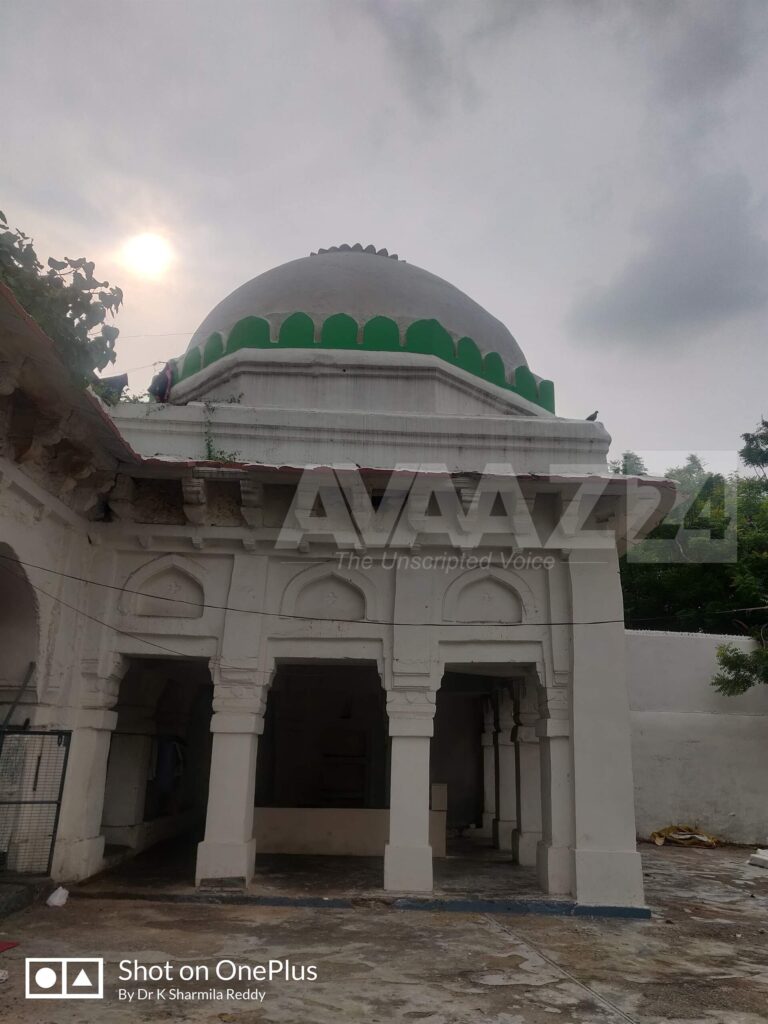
<point>592,171</point>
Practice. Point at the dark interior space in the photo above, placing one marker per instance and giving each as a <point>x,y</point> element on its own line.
<point>325,741</point>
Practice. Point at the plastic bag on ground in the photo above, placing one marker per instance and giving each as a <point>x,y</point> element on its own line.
<point>58,897</point>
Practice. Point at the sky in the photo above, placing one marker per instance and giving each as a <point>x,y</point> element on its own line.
<point>593,172</point>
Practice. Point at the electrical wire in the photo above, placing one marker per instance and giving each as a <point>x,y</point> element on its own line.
<point>93,618</point>
<point>329,618</point>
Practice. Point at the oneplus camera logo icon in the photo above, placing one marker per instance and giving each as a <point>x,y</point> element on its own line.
<point>64,977</point>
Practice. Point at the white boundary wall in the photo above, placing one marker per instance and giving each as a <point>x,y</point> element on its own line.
<point>699,758</point>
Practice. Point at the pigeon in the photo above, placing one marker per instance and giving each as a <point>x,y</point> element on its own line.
<point>593,417</point>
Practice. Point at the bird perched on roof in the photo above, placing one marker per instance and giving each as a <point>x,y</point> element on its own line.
<point>593,417</point>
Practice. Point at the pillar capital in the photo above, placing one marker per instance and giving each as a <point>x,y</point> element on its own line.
<point>237,672</point>
<point>411,711</point>
<point>239,696</point>
<point>554,713</point>
<point>102,675</point>
<point>525,734</point>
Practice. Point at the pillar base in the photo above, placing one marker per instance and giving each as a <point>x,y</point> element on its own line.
<point>486,829</point>
<point>123,835</point>
<point>75,859</point>
<point>524,845</point>
<point>554,869</point>
<point>408,868</point>
<point>503,831</point>
<point>230,862</point>
<point>609,878</point>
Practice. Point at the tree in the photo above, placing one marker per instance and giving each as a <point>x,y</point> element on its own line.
<point>699,596</point>
<point>755,451</point>
<point>630,464</point>
<point>741,670</point>
<point>66,300</point>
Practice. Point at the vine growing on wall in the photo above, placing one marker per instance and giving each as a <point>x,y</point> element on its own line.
<point>212,452</point>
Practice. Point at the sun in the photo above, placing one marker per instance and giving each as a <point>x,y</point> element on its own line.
<point>147,255</point>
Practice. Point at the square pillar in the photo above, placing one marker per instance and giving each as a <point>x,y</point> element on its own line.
<point>528,832</point>
<point>408,854</point>
<point>554,854</point>
<point>607,865</point>
<point>488,744</point>
<point>228,851</point>
<point>505,820</point>
<point>79,850</point>
<point>126,787</point>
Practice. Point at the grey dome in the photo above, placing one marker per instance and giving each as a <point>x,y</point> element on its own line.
<point>362,284</point>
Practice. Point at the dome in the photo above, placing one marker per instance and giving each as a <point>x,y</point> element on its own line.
<point>362,283</point>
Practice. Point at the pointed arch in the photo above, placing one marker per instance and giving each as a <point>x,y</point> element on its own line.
<point>488,595</point>
<point>323,593</point>
<point>166,587</point>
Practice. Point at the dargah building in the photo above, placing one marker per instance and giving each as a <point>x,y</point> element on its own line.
<point>347,586</point>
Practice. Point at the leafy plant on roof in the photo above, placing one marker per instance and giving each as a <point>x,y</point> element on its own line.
<point>66,300</point>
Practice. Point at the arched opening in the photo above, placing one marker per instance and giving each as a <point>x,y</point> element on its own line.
<point>18,625</point>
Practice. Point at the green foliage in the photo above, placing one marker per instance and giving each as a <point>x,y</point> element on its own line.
<point>694,596</point>
<point>755,451</point>
<point>66,300</point>
<point>630,464</point>
<point>740,670</point>
<point>710,597</point>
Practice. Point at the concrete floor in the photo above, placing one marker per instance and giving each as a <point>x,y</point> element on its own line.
<point>472,869</point>
<point>702,958</point>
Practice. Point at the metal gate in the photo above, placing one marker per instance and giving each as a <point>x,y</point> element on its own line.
<point>33,764</point>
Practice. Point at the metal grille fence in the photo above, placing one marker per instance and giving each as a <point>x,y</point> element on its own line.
<point>33,764</point>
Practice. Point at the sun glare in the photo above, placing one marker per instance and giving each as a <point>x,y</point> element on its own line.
<point>147,255</point>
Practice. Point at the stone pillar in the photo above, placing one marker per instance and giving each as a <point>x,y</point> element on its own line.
<point>79,848</point>
<point>606,862</point>
<point>126,787</point>
<point>554,854</point>
<point>488,742</point>
<point>129,761</point>
<point>505,821</point>
<point>528,832</point>
<point>408,854</point>
<point>229,849</point>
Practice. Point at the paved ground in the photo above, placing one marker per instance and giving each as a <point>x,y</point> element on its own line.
<point>702,958</point>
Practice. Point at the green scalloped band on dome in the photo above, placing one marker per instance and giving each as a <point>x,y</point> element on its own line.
<point>380,334</point>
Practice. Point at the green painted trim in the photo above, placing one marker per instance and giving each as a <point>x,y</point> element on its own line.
<point>297,331</point>
<point>469,357</point>
<point>213,349</point>
<point>380,334</point>
<point>250,332</point>
<point>493,369</point>
<point>192,364</point>
<point>339,331</point>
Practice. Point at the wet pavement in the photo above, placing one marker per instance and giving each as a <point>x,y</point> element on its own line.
<point>473,869</point>
<point>703,957</point>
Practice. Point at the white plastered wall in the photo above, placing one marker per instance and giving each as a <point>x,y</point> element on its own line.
<point>697,755</point>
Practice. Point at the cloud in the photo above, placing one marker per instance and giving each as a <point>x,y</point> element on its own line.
<point>705,263</point>
<point>700,47</point>
<point>418,34</point>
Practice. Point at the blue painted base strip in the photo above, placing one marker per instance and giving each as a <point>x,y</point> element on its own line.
<point>458,905</point>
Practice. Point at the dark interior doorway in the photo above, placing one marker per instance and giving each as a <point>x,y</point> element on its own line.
<point>325,739</point>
